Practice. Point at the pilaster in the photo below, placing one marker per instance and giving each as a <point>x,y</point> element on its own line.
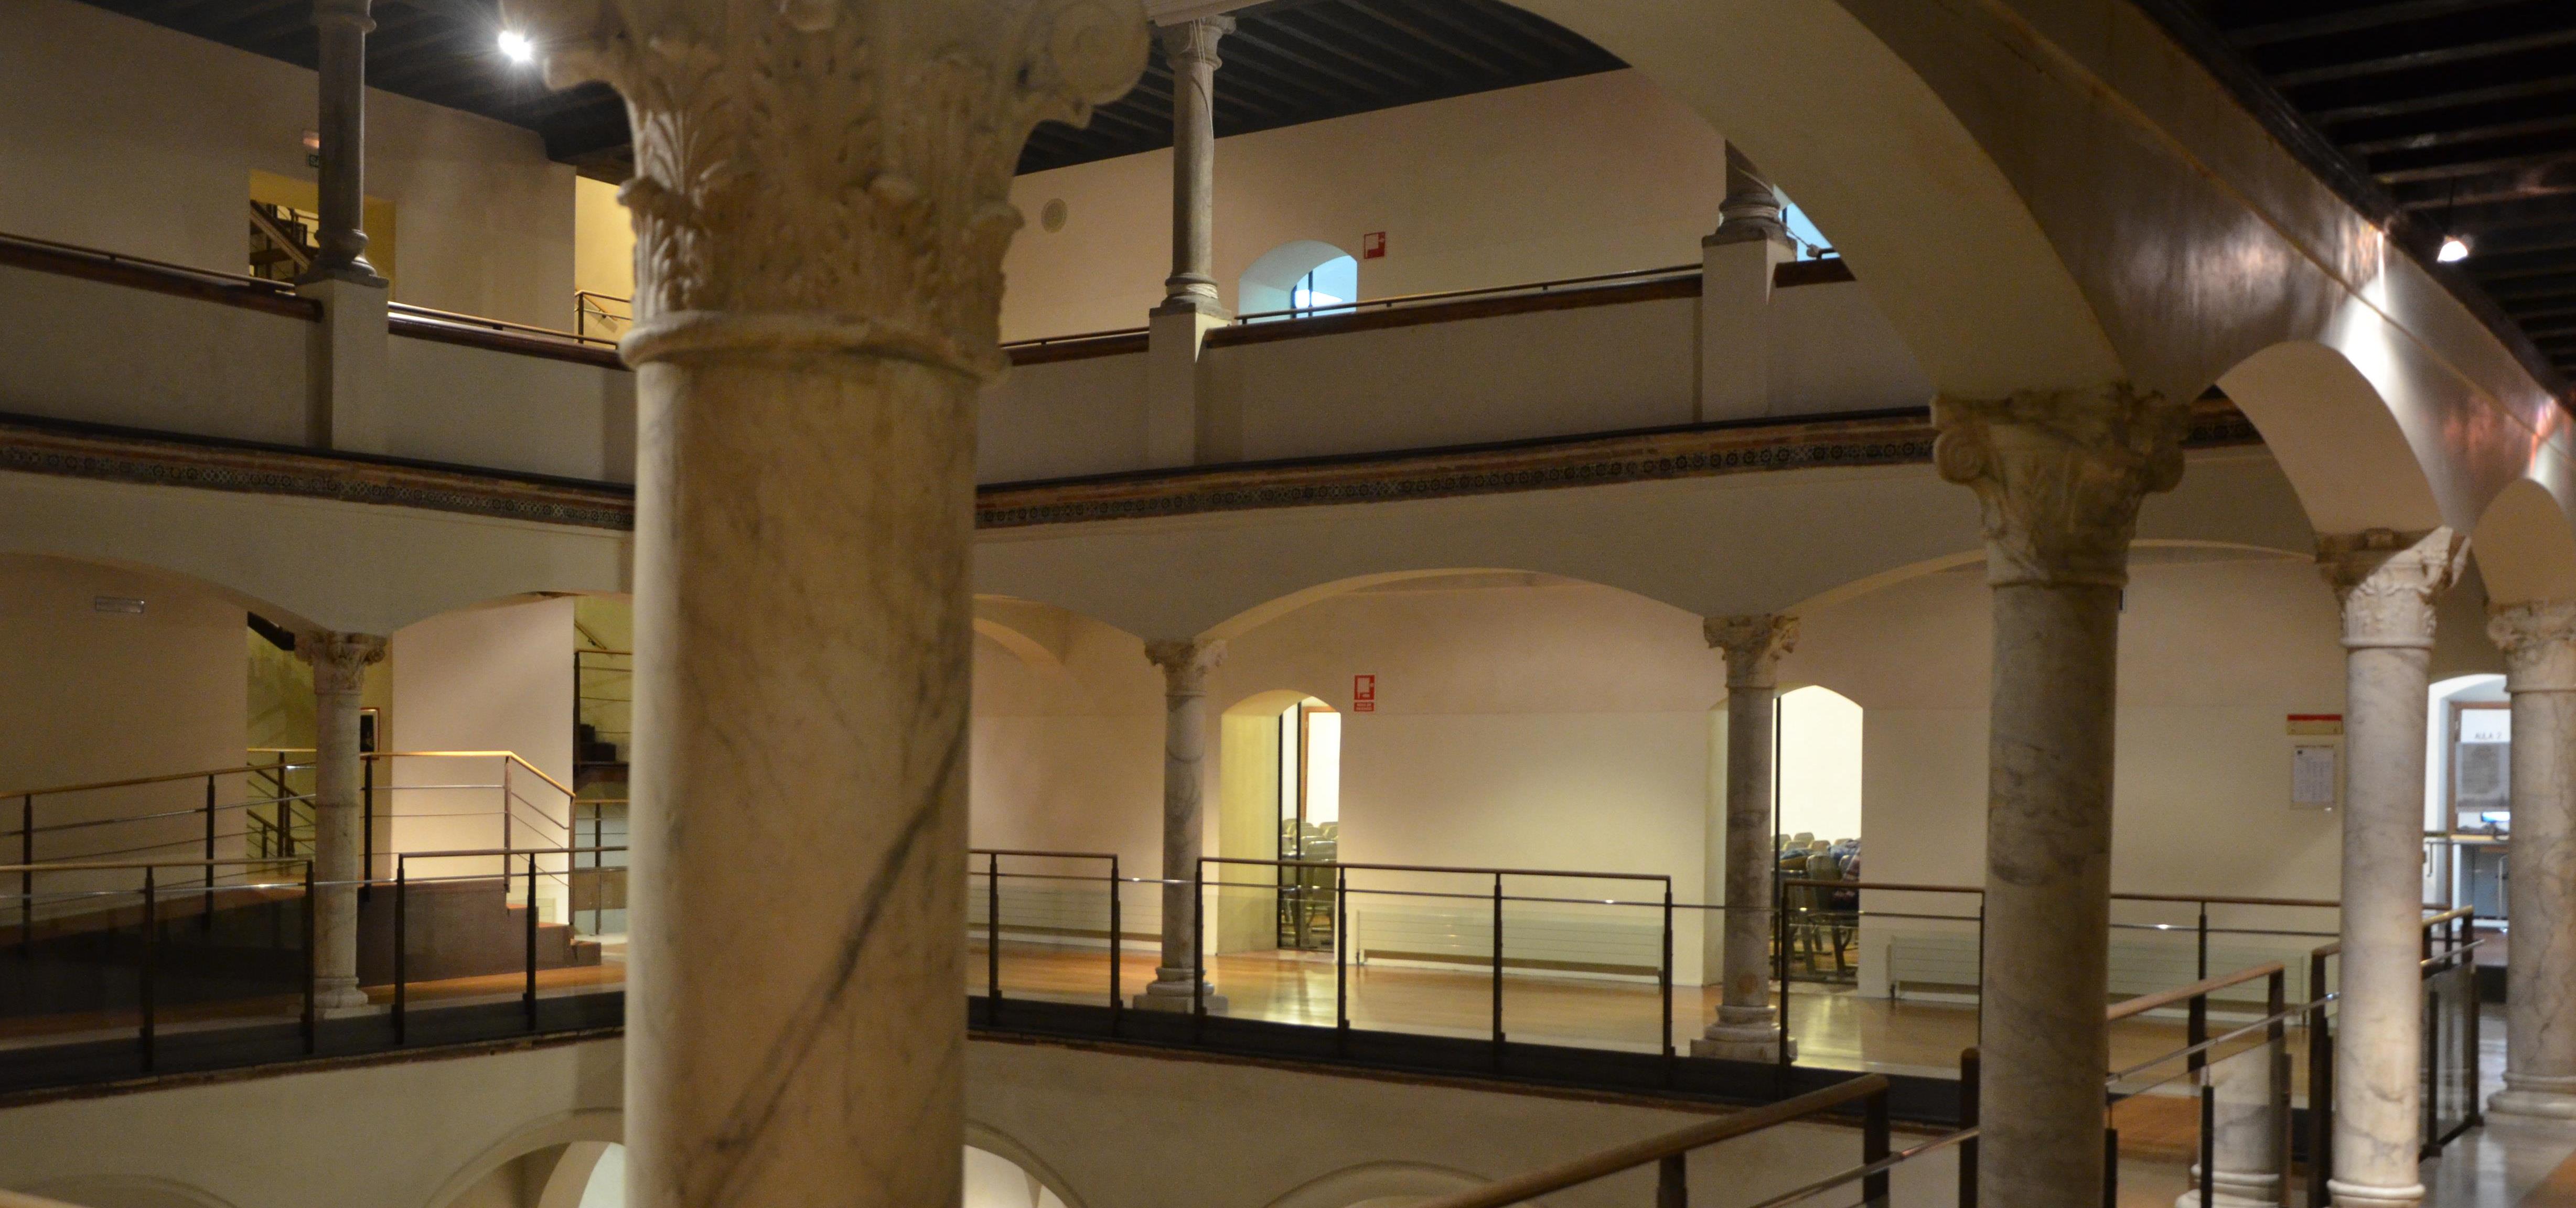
<point>1736,265</point>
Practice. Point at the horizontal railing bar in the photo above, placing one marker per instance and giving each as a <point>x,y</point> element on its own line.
<point>1857,1173</point>
<point>1115,333</point>
<point>465,320</point>
<point>2166,998</point>
<point>1060,855</point>
<point>2284,1015</point>
<point>281,288</point>
<point>1483,872</point>
<point>1547,1181</point>
<point>1677,270</point>
<point>139,780</point>
<point>84,866</point>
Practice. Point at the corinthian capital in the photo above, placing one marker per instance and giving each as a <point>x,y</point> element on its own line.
<point>2539,643</point>
<point>2388,582</point>
<point>339,660</point>
<point>1753,645</point>
<point>831,176</point>
<point>1185,664</point>
<point>2061,474</point>
<point>1192,44</point>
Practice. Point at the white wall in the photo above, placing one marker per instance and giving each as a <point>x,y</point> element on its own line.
<point>507,411</point>
<point>90,696</point>
<point>1590,175</point>
<point>110,354</point>
<point>125,136</point>
<point>497,678</point>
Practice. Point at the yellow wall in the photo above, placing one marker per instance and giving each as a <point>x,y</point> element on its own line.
<point>293,193</point>
<point>603,240</point>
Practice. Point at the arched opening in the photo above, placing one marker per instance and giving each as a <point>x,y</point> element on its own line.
<point>1303,277</point>
<point>2468,792</point>
<point>592,1174</point>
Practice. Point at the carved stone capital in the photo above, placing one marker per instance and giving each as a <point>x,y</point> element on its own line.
<point>339,660</point>
<point>1191,45</point>
<point>2388,582</point>
<point>1185,664</point>
<point>820,177</point>
<point>1753,645</point>
<point>2538,639</point>
<point>2061,474</point>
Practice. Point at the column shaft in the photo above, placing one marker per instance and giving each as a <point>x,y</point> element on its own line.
<point>342,27</point>
<point>2043,1041</point>
<point>339,662</point>
<point>2060,475</point>
<point>1191,46</point>
<point>2539,641</point>
<point>822,204</point>
<point>1185,665</point>
<point>2388,585</point>
<point>1747,1026</point>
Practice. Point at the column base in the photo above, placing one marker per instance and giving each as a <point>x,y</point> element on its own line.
<point>2541,1098</point>
<point>1757,1042</point>
<point>334,996</point>
<point>1170,991</point>
<point>2234,1189</point>
<point>2356,1195</point>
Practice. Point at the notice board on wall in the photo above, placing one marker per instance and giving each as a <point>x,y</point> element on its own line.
<point>2316,760</point>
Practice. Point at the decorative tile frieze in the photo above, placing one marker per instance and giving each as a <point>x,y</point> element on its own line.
<point>1873,439</point>
<point>35,447</point>
<point>1868,439</point>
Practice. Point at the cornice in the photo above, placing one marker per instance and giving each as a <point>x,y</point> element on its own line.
<point>1886,438</point>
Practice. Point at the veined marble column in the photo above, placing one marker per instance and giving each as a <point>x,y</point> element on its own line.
<point>2248,1141</point>
<point>1748,1026</point>
<point>2060,475</point>
<point>1191,48</point>
<point>2539,644</point>
<point>342,27</point>
<point>2388,584</point>
<point>821,202</point>
<point>1185,667</point>
<point>339,663</point>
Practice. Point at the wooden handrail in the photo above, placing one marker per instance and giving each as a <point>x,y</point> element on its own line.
<point>2166,998</point>
<point>76,866</point>
<point>1552,1179</point>
<point>1482,872</point>
<point>1340,308</point>
<point>512,756</point>
<point>2215,900</point>
<point>2335,947</point>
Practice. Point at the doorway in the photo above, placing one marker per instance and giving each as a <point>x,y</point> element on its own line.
<point>1310,823</point>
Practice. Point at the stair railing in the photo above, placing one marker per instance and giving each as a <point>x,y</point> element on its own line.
<point>510,868</point>
<point>1670,1153</point>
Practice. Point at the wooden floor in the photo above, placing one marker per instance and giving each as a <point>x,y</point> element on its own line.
<point>1836,1028</point>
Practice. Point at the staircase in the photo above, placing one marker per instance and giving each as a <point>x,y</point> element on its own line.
<point>463,928</point>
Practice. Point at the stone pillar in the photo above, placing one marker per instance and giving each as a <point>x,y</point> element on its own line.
<point>1185,667</point>
<point>342,27</point>
<point>2060,475</point>
<point>346,409</point>
<point>2247,1144</point>
<point>1748,1026</point>
<point>1175,431</point>
<point>339,663</point>
<point>1191,47</point>
<point>1736,264</point>
<point>2539,644</point>
<point>2388,584</point>
<point>821,202</point>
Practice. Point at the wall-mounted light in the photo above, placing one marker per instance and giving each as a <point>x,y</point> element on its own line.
<point>516,47</point>
<point>2454,250</point>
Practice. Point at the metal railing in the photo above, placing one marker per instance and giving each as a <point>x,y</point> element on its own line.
<point>1403,301</point>
<point>601,317</point>
<point>1670,1152</point>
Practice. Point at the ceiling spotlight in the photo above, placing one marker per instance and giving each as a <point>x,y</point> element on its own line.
<point>516,47</point>
<point>2454,250</point>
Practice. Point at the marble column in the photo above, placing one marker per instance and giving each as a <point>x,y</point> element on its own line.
<point>1747,1027</point>
<point>2247,1144</point>
<point>1191,48</point>
<point>1185,667</point>
<point>821,202</point>
<point>339,663</point>
<point>342,27</point>
<point>2060,475</point>
<point>2387,583</point>
<point>2539,644</point>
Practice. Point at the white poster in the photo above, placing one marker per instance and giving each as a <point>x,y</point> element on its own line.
<point>2312,775</point>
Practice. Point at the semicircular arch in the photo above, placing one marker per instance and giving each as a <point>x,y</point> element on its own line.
<point>2525,546</point>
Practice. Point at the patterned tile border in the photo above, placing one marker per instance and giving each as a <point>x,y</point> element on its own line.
<point>1875,439</point>
<point>152,460</point>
